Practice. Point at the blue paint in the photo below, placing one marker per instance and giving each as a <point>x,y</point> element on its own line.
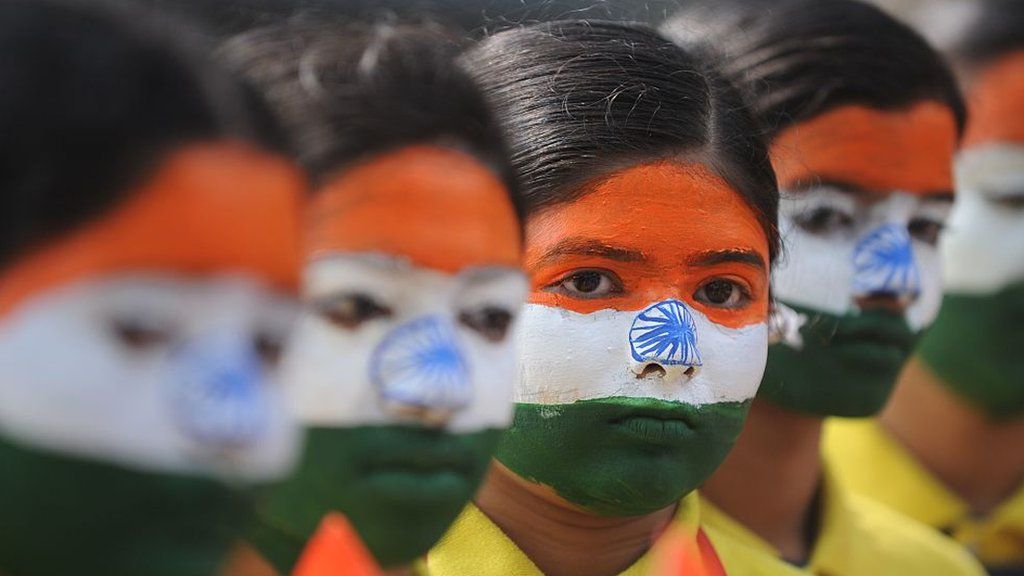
<point>420,364</point>
<point>217,391</point>
<point>665,333</point>
<point>884,263</point>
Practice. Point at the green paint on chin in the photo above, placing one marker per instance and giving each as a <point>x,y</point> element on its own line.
<point>399,486</point>
<point>848,365</point>
<point>621,456</point>
<point>976,347</point>
<point>61,515</point>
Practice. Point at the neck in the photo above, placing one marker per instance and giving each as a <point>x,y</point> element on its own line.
<point>561,539</point>
<point>778,448</point>
<point>977,458</point>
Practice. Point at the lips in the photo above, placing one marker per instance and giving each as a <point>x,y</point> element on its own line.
<point>875,329</point>
<point>658,422</point>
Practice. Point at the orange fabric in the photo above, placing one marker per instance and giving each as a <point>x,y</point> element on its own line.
<point>221,207</point>
<point>875,150</point>
<point>336,550</point>
<point>669,212</point>
<point>439,207</point>
<point>679,553</point>
<point>996,103</point>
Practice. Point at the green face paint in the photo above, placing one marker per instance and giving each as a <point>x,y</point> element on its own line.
<point>399,486</point>
<point>621,456</point>
<point>847,366</point>
<point>62,515</point>
<point>975,348</point>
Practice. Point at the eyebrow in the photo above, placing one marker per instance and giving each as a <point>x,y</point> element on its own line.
<point>590,247</point>
<point>734,255</point>
<point>852,189</point>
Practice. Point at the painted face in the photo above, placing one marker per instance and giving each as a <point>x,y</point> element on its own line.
<point>138,353</point>
<point>644,339</point>
<point>865,195</point>
<point>976,341</point>
<point>403,363</point>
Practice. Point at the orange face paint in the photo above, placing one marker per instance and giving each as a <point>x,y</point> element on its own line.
<point>441,208</point>
<point>996,103</point>
<point>664,229</point>
<point>209,208</point>
<point>875,150</point>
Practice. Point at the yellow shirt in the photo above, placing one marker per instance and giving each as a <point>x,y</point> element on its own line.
<point>870,462</point>
<point>857,538</point>
<point>475,546</point>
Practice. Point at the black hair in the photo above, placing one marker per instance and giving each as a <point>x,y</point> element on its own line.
<point>93,97</point>
<point>346,92</point>
<point>581,98</point>
<point>995,28</point>
<point>797,59</point>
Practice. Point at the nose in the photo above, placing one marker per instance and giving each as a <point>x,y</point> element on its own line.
<point>218,392</point>
<point>663,342</point>
<point>420,373</point>
<point>886,274</point>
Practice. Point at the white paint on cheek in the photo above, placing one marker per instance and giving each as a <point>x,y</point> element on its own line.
<point>567,356</point>
<point>984,248</point>
<point>333,374</point>
<point>199,405</point>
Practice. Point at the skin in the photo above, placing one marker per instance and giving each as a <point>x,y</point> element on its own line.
<point>400,470</point>
<point>833,373</point>
<point>593,256</point>
<point>109,494</point>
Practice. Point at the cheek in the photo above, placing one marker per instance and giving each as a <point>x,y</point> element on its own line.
<point>492,371</point>
<point>815,271</point>
<point>983,250</point>
<point>926,308</point>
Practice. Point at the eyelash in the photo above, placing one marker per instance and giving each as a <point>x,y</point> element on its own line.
<point>615,284</point>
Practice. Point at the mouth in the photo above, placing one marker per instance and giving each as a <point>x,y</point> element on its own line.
<point>662,425</point>
<point>876,330</point>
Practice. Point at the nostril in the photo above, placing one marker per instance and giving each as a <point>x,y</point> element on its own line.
<point>884,300</point>
<point>652,371</point>
<point>690,371</point>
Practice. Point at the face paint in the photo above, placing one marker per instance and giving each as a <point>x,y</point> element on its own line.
<point>134,386</point>
<point>644,339</point>
<point>402,364</point>
<point>865,195</point>
<point>975,343</point>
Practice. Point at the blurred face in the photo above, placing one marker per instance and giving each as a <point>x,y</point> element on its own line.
<point>138,354</point>
<point>403,361</point>
<point>643,341</point>
<point>976,341</point>
<point>866,194</point>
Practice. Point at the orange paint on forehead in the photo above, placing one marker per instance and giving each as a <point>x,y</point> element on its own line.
<point>875,150</point>
<point>209,209</point>
<point>996,103</point>
<point>669,216</point>
<point>440,208</point>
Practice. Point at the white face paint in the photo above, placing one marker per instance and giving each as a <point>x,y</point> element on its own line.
<point>984,249</point>
<point>842,246</point>
<point>152,372</point>
<point>568,356</point>
<point>383,341</point>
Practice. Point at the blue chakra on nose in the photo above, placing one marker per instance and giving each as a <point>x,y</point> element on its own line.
<point>420,364</point>
<point>884,262</point>
<point>665,333</point>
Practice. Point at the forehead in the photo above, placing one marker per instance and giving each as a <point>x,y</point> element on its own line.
<point>874,150</point>
<point>437,207</point>
<point>996,103</point>
<point>664,209</point>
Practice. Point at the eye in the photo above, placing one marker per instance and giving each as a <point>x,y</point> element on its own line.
<point>926,230</point>
<point>140,334</point>
<point>722,293</point>
<point>490,321</point>
<point>586,284</point>
<point>269,346</point>
<point>824,220</point>
<point>351,310</point>
<point>1011,201</point>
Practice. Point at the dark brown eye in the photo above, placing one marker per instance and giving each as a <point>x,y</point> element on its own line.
<point>1011,201</point>
<point>138,334</point>
<point>490,322</point>
<point>588,284</point>
<point>925,230</point>
<point>269,346</point>
<point>722,294</point>
<point>351,310</point>
<point>823,220</point>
